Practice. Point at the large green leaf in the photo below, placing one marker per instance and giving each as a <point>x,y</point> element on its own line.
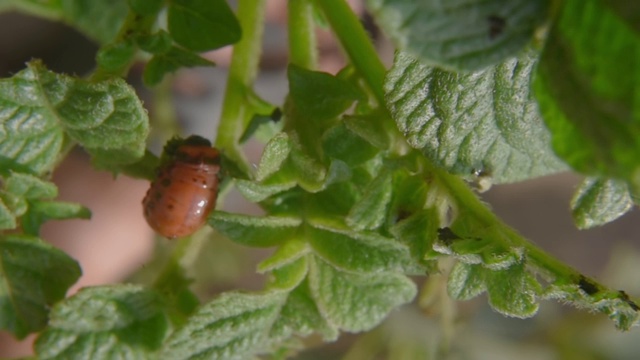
<point>485,122</point>
<point>357,302</point>
<point>588,89</point>
<point>39,109</point>
<point>109,322</point>
<point>33,276</point>
<point>460,35</point>
<point>233,326</point>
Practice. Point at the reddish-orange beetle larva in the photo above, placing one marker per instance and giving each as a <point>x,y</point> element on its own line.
<point>185,191</point>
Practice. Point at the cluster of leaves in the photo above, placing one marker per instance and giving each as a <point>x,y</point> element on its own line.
<point>362,186</point>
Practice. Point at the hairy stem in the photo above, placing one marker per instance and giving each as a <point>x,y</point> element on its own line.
<point>236,109</point>
<point>302,37</point>
<point>356,43</point>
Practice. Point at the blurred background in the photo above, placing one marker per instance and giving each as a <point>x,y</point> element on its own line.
<point>117,242</point>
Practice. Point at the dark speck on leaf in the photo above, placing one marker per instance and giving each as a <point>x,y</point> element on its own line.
<point>447,236</point>
<point>496,25</point>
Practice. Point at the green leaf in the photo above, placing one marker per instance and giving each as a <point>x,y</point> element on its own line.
<point>319,95</point>
<point>341,143</point>
<point>41,211</point>
<point>156,43</point>
<point>371,210</point>
<point>468,123</point>
<point>370,128</point>
<point>146,7</point>
<point>170,61</point>
<point>466,281</point>
<point>599,201</point>
<point>253,230</point>
<point>106,322</point>
<point>99,19</point>
<point>587,90</point>
<point>629,11</point>
<point>290,251</point>
<point>40,108</point>
<point>116,57</point>
<point>233,326</point>
<point>29,186</point>
<point>300,316</point>
<point>274,155</point>
<point>357,251</point>
<point>256,192</point>
<point>460,35</point>
<point>7,218</point>
<point>512,292</point>
<point>418,231</point>
<point>33,276</point>
<point>289,276</point>
<point>45,9</point>
<point>357,302</point>
<point>202,25</point>
<point>309,172</point>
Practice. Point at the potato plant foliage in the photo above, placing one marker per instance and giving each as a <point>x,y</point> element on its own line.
<point>365,179</point>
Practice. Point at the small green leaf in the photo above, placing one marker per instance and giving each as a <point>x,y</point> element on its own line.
<point>599,201</point>
<point>356,302</point>
<point>289,276</point>
<point>106,322</point>
<point>418,231</point>
<point>512,292</point>
<point>274,155</point>
<point>357,252</point>
<point>146,7</point>
<point>370,128</point>
<point>7,218</point>
<point>485,121</point>
<point>319,95</point>
<point>460,36</point>
<point>587,90</point>
<point>33,276</point>
<point>233,326</point>
<point>256,192</point>
<point>290,251</point>
<point>202,25</point>
<point>116,57</point>
<point>100,20</point>
<point>310,173</point>
<point>29,186</point>
<point>157,43</point>
<point>466,281</point>
<point>253,230</point>
<point>170,61</point>
<point>370,212</point>
<point>341,143</point>
<point>41,211</point>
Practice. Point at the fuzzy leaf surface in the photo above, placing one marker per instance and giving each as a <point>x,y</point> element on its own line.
<point>485,121</point>
<point>588,90</point>
<point>599,201</point>
<point>33,276</point>
<point>106,322</point>
<point>40,109</point>
<point>357,302</point>
<point>463,35</point>
<point>233,326</point>
<point>254,230</point>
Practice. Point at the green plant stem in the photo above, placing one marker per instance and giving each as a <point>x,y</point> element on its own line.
<point>302,37</point>
<point>356,43</point>
<point>236,110</point>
